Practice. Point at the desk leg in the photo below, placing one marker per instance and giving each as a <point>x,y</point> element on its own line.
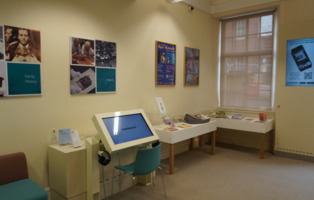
<point>200,140</point>
<point>171,158</point>
<point>262,145</point>
<point>213,142</point>
<point>192,143</point>
<point>271,140</point>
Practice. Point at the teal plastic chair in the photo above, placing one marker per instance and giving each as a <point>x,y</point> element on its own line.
<point>146,161</point>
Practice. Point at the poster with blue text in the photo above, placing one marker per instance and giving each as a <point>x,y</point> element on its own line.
<point>165,63</point>
<point>23,79</point>
<point>106,79</point>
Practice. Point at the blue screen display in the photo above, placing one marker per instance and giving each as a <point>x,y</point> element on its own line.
<point>127,128</point>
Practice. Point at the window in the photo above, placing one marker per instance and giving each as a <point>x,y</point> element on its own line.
<point>246,62</point>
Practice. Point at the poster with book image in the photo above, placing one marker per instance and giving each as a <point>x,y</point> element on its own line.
<point>93,66</point>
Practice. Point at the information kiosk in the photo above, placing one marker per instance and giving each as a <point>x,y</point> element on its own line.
<point>117,131</point>
<point>124,129</point>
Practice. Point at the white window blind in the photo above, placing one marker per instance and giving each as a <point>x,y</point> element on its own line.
<point>246,61</point>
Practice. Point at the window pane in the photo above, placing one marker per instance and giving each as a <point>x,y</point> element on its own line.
<point>266,23</point>
<point>254,41</point>
<point>241,27</point>
<point>228,47</point>
<point>253,64</point>
<point>246,62</point>
<point>266,63</point>
<point>254,25</point>
<point>229,29</point>
<point>267,42</point>
<point>240,44</point>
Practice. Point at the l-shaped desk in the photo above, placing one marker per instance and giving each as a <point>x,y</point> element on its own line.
<point>172,137</point>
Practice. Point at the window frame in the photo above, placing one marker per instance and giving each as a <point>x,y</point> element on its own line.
<point>272,61</point>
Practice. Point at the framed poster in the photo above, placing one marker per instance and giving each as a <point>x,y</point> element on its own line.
<point>3,79</point>
<point>93,66</point>
<point>20,58</point>
<point>191,66</point>
<point>300,57</point>
<point>165,63</point>
<point>1,43</point>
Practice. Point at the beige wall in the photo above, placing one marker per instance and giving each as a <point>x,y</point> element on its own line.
<point>27,122</point>
<point>135,25</point>
<point>295,108</point>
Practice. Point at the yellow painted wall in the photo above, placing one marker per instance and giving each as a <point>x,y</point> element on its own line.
<point>295,108</point>
<point>26,123</point>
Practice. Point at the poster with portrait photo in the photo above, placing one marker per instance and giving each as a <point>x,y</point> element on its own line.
<point>106,54</point>
<point>1,43</point>
<point>82,51</point>
<point>22,45</point>
<point>23,79</point>
<point>106,80</point>
<point>83,79</point>
<point>3,79</point>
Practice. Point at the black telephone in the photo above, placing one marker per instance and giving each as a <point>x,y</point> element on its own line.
<point>301,58</point>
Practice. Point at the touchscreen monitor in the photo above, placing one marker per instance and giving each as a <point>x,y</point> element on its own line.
<point>124,129</point>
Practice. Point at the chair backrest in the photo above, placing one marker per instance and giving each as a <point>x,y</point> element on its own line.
<point>13,167</point>
<point>147,160</point>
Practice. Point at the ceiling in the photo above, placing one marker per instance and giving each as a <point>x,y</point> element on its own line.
<point>220,6</point>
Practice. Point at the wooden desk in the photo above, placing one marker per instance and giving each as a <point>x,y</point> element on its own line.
<point>257,127</point>
<point>184,134</point>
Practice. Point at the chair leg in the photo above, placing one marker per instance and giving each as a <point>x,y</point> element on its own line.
<point>163,183</point>
<point>154,178</point>
<point>112,182</point>
<point>134,187</point>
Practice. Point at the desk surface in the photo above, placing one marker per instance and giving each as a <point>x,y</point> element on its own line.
<point>182,134</point>
<point>68,148</point>
<point>172,137</point>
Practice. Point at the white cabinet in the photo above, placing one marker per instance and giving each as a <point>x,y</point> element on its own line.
<point>67,172</point>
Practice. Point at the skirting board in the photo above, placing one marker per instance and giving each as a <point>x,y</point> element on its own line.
<point>276,152</point>
<point>294,156</point>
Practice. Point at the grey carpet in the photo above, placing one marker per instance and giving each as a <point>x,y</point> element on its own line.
<point>231,174</point>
